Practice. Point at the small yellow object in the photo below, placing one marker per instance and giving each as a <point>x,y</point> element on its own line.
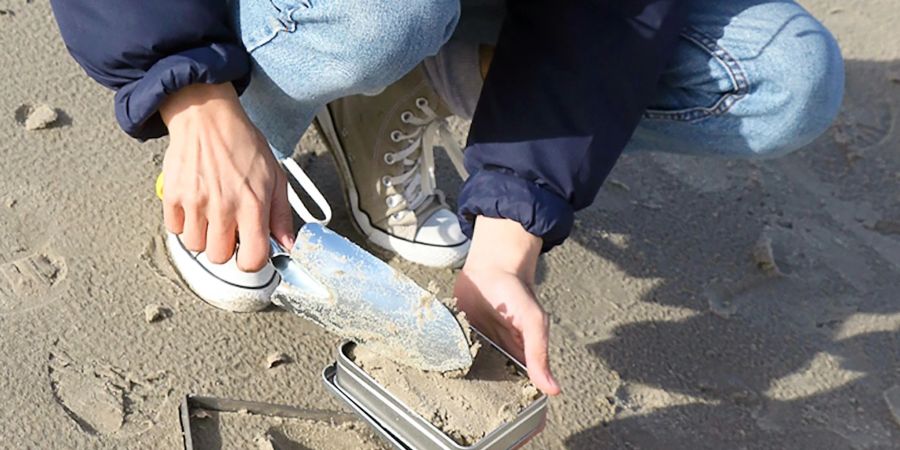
<point>159,185</point>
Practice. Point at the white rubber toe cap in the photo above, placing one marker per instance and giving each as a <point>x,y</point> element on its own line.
<point>441,229</point>
<point>438,243</point>
<point>223,285</point>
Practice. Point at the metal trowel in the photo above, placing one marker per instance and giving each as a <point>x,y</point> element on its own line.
<point>336,284</point>
<point>349,292</point>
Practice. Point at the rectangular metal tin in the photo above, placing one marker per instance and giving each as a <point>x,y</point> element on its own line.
<point>328,377</point>
<point>389,415</point>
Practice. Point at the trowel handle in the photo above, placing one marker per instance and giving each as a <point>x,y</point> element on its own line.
<point>277,254</point>
<point>294,171</point>
<point>275,249</point>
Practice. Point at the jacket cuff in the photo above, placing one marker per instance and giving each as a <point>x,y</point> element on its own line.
<point>502,194</point>
<point>137,103</point>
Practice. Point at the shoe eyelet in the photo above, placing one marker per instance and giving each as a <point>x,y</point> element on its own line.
<point>389,158</point>
<point>386,181</point>
<point>398,215</point>
<point>391,201</point>
<point>406,116</point>
<point>396,136</point>
<point>421,102</point>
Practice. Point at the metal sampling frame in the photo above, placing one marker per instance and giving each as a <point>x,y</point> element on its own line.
<point>193,402</point>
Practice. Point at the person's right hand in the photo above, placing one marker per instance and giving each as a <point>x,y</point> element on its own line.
<point>221,182</point>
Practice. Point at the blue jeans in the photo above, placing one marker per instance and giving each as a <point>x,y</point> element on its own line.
<point>307,53</point>
<point>749,78</point>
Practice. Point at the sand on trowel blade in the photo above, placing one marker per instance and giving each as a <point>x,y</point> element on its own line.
<point>372,303</point>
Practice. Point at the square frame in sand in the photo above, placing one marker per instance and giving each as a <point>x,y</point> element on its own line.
<point>192,402</point>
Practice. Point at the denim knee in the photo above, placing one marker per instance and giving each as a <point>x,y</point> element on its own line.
<point>804,84</point>
<point>366,46</point>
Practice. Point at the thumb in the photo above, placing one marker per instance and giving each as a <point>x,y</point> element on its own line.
<point>535,334</point>
<point>281,219</point>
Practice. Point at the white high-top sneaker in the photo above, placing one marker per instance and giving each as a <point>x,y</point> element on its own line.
<point>384,149</point>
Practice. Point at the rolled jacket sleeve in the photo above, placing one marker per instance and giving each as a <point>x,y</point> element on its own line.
<point>566,88</point>
<point>146,51</point>
<point>500,193</point>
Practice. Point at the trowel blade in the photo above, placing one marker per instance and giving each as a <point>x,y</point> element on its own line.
<point>348,291</point>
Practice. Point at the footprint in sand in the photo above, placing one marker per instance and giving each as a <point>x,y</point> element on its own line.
<point>27,282</point>
<point>31,271</point>
<point>102,399</point>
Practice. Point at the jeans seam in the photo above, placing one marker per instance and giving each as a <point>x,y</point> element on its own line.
<point>739,81</point>
<point>282,22</point>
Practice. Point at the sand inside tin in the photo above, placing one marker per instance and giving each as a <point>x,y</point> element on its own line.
<point>465,408</point>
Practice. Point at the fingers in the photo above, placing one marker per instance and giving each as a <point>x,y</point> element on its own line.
<point>253,230</point>
<point>173,214</point>
<point>183,215</point>
<point>536,336</point>
<point>194,234</point>
<point>281,220</point>
<point>221,240</point>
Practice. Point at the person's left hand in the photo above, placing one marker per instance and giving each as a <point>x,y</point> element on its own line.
<point>494,289</point>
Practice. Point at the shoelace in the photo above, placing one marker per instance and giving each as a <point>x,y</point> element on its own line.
<point>418,184</point>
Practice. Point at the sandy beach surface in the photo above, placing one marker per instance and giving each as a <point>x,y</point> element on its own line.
<point>671,326</point>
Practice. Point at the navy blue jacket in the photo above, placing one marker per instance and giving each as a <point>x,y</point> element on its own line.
<point>565,91</point>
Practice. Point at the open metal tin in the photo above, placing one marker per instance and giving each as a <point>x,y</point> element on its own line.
<point>405,429</point>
